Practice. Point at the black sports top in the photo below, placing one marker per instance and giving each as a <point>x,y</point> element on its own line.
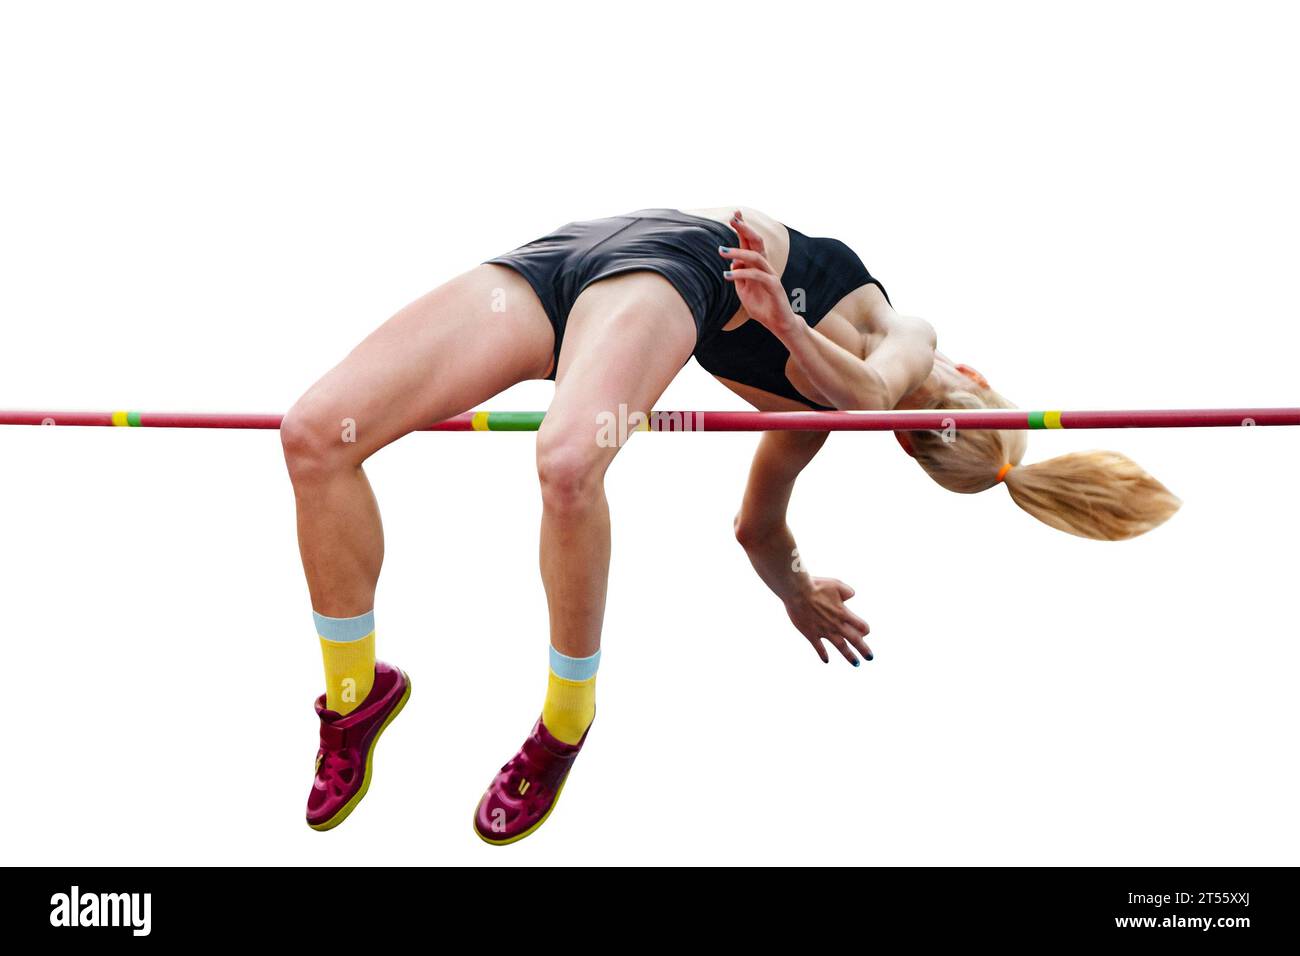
<point>818,273</point>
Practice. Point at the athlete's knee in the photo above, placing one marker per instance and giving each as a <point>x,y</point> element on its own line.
<point>571,470</point>
<point>315,443</point>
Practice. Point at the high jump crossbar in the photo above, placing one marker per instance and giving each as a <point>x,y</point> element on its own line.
<point>1011,419</point>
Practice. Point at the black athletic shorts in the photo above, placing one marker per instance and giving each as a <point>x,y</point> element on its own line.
<point>680,247</point>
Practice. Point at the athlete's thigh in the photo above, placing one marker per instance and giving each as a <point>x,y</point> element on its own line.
<point>627,337</point>
<point>452,348</point>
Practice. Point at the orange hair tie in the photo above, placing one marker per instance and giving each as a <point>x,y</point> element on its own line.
<point>1002,472</point>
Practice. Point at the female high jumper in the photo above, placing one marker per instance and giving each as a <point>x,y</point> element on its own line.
<point>611,309</point>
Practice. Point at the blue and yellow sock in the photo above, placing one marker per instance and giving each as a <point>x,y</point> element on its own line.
<point>570,703</point>
<point>348,646</point>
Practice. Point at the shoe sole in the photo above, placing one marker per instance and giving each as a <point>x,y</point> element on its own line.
<point>351,805</point>
<point>519,836</point>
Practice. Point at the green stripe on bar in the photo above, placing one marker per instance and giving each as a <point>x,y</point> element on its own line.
<point>514,421</point>
<point>1036,420</point>
<point>133,419</point>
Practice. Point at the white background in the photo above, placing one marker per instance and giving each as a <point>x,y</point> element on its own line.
<point>203,207</point>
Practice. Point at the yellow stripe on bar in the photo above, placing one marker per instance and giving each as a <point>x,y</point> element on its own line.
<point>1052,420</point>
<point>479,422</point>
<point>120,419</point>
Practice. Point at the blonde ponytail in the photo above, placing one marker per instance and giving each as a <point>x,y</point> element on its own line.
<point>1094,494</point>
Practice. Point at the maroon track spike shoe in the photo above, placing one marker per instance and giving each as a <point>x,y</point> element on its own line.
<point>524,793</point>
<point>347,747</point>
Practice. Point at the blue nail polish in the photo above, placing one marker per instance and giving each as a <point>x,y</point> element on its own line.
<point>857,663</point>
<point>724,248</point>
<point>727,274</point>
<point>871,657</point>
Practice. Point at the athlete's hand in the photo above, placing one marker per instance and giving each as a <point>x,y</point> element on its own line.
<point>757,283</point>
<point>820,615</point>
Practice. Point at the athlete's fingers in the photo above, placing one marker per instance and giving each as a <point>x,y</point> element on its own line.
<point>754,275</point>
<point>854,637</point>
<point>748,257</point>
<point>821,650</point>
<point>740,232</point>
<point>752,239</point>
<point>846,592</point>
<point>850,630</point>
<point>855,622</point>
<point>863,647</point>
<point>841,645</point>
<point>749,239</point>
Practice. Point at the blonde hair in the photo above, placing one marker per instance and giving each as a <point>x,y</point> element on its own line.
<point>1094,494</point>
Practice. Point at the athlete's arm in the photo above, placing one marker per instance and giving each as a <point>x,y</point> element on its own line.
<point>780,457</point>
<point>899,363</point>
<point>815,605</point>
